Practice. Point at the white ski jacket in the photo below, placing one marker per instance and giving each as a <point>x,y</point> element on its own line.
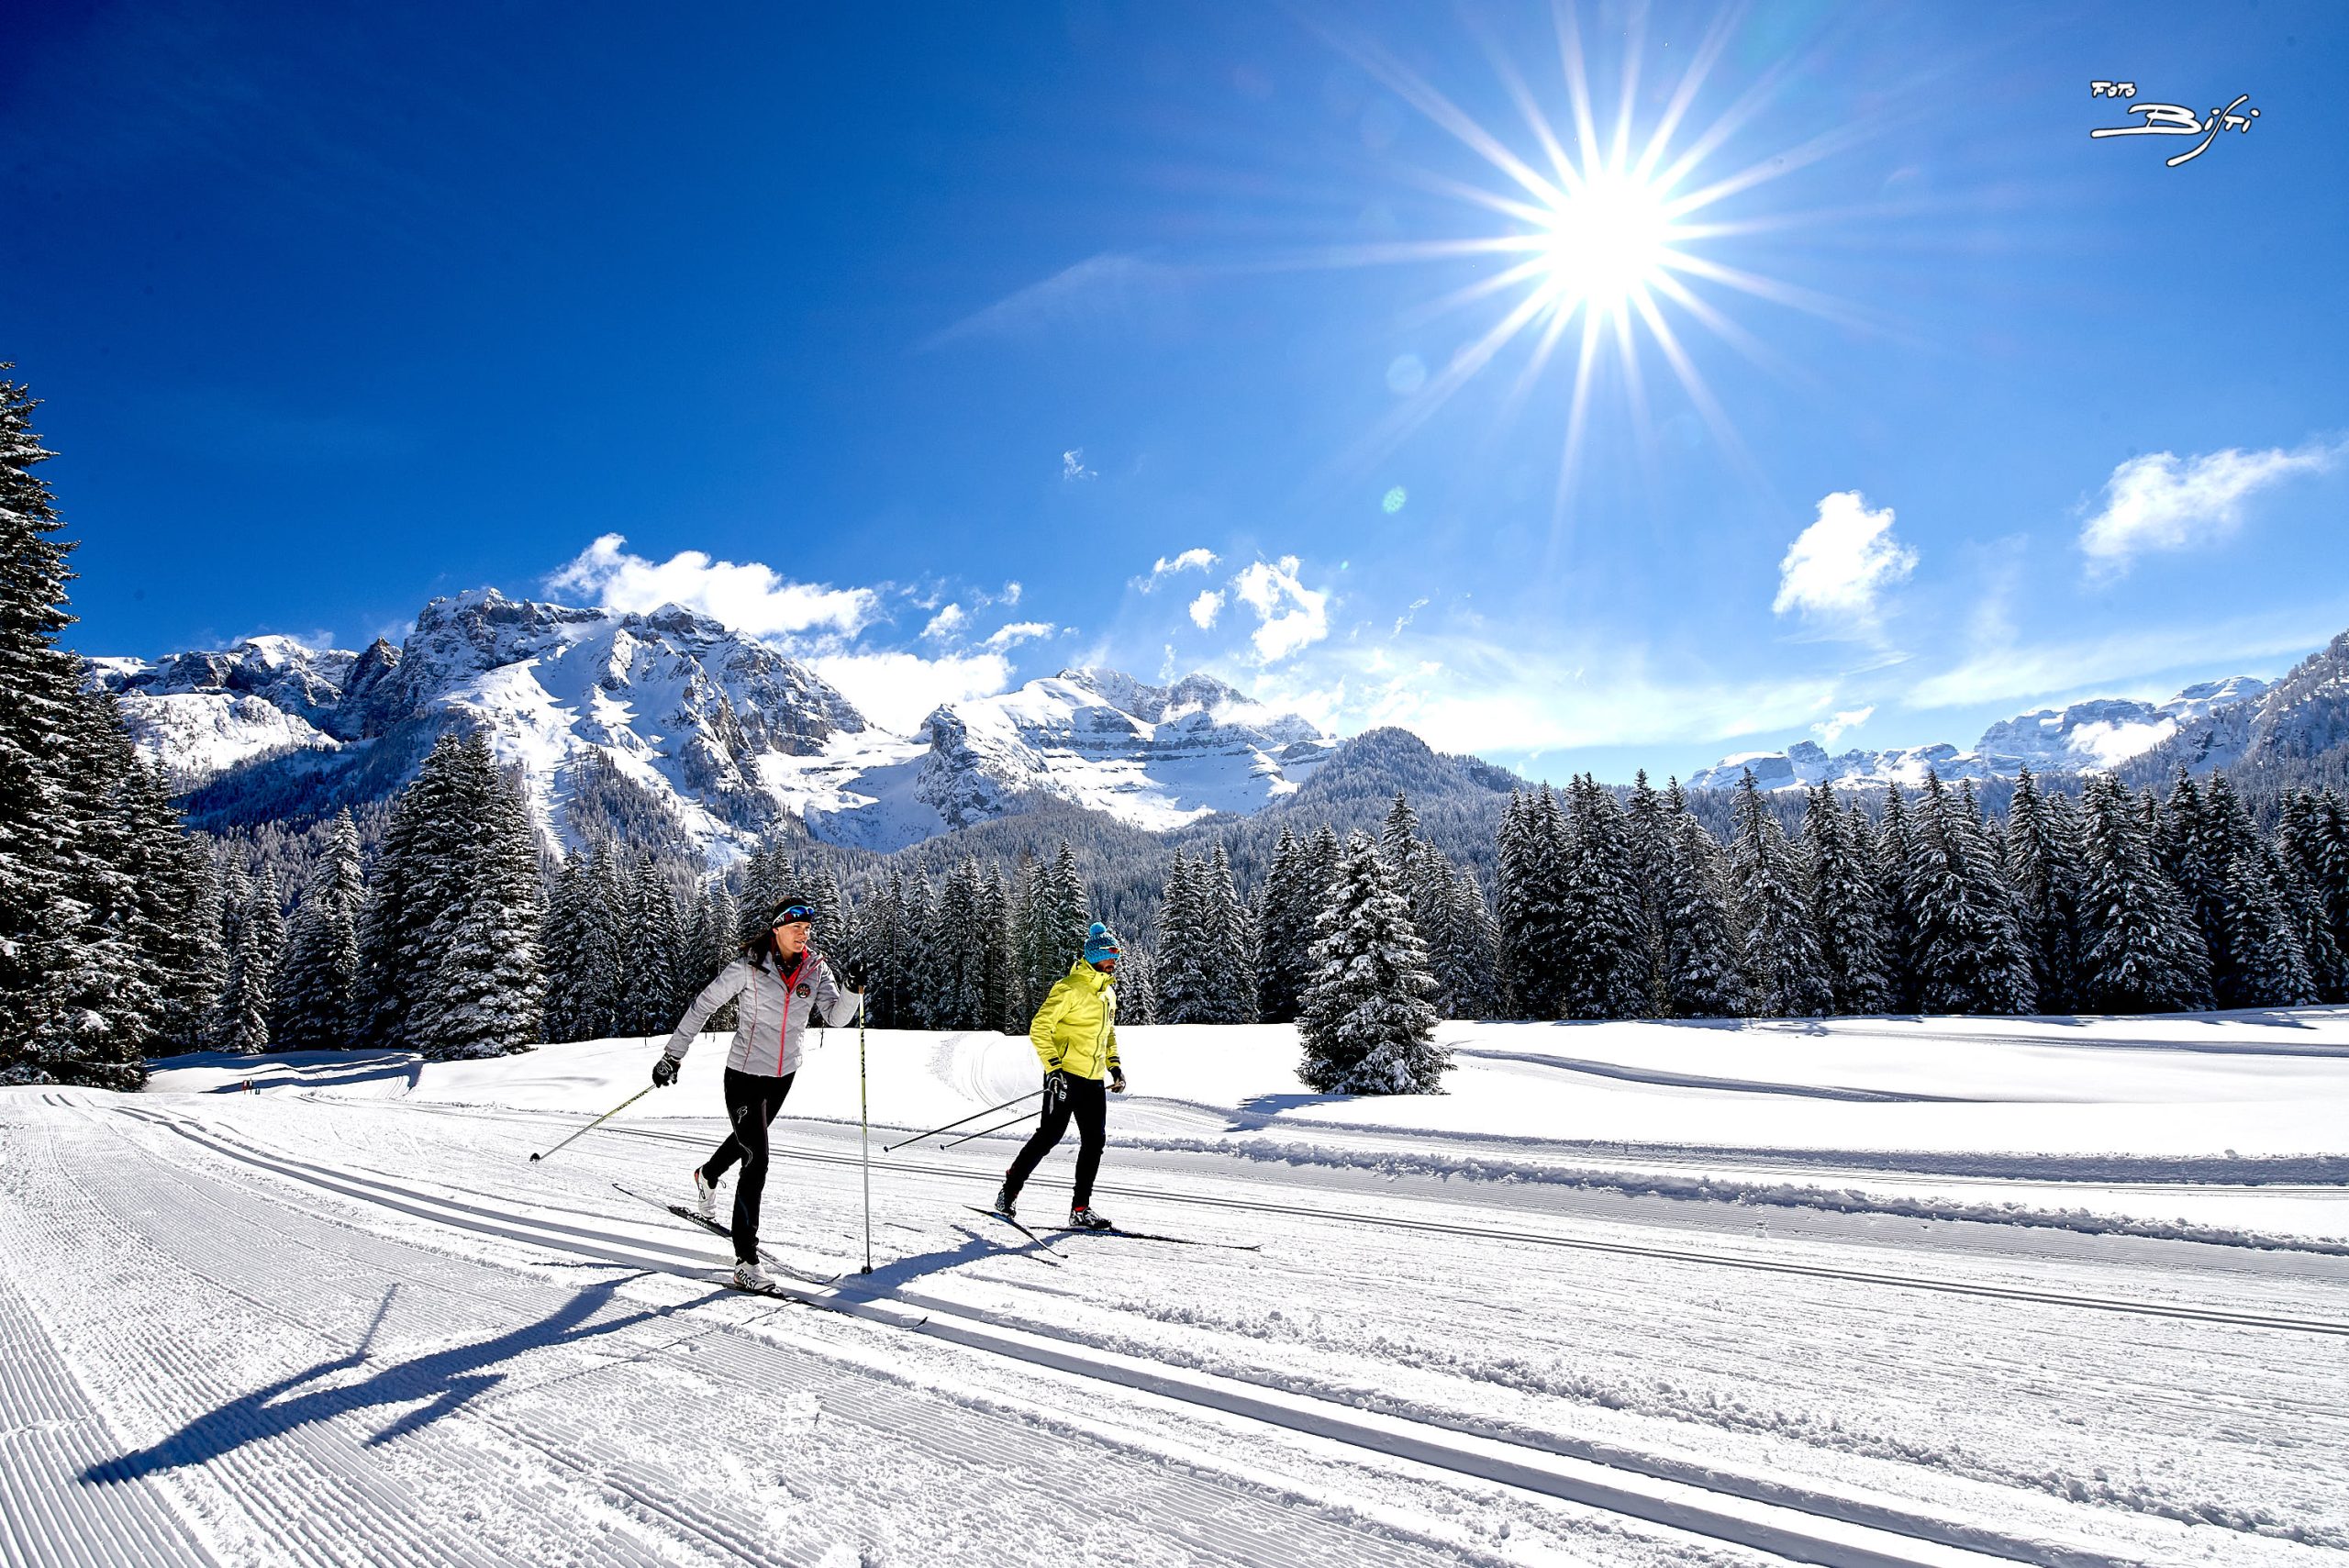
<point>773,1008</point>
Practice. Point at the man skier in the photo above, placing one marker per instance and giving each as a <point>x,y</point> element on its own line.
<point>776,985</point>
<point>1075,1035</point>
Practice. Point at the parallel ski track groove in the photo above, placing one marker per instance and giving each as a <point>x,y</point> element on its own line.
<point>1818,1530</point>
<point>1238,1541</point>
<point>1535,1238</point>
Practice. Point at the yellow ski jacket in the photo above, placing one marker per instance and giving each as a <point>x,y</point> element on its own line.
<point>1077,1028</point>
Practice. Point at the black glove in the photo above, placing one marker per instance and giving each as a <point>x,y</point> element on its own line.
<point>1117,1080</point>
<point>1055,1086</point>
<point>846,976</point>
<point>665,1070</point>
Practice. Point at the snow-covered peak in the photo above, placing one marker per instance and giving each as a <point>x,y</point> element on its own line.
<point>2100,733</point>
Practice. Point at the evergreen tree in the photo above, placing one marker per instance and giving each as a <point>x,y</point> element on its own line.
<point>220,1025</point>
<point>1459,934</point>
<point>1699,971</point>
<point>652,949</point>
<point>1606,938</point>
<point>1228,982</point>
<point>1649,840</point>
<point>1969,952</point>
<point>1136,993</point>
<point>1186,973</point>
<point>1534,912</point>
<point>251,1001</point>
<point>959,945</point>
<point>2312,843</point>
<point>2144,953</point>
<point>1785,975</point>
<point>1367,1028</point>
<point>205,974</point>
<point>1399,833</point>
<point>1847,905</point>
<point>2046,864</point>
<point>2271,964</point>
<point>314,1006</point>
<point>1895,847</point>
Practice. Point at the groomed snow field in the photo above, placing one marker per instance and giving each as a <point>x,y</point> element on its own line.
<point>1869,1291</point>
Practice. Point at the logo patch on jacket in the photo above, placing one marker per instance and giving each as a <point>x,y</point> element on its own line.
<point>804,989</point>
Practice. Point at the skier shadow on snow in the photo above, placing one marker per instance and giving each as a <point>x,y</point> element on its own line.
<point>445,1381</point>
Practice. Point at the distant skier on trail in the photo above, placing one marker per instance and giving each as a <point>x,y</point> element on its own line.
<point>778,986</point>
<point>1076,1036</point>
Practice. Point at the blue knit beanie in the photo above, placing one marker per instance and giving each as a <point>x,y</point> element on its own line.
<point>1099,944</point>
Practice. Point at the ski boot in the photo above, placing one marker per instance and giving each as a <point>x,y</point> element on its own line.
<point>1007,1201</point>
<point>704,1197</point>
<point>750,1276</point>
<point>1085,1216</point>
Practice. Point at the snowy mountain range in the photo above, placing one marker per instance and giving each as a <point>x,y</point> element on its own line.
<point>2100,733</point>
<point>722,731</point>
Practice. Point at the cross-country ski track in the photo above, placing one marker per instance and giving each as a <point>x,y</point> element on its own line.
<point>303,1326</point>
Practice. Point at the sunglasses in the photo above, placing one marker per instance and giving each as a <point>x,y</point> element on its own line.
<point>793,915</point>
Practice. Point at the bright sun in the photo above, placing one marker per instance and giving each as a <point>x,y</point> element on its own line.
<point>1604,241</point>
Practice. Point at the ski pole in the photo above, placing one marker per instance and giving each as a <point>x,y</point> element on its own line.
<point>864,1133</point>
<point>916,1138</point>
<point>599,1121</point>
<point>998,1127</point>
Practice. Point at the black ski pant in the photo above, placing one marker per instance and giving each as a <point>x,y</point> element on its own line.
<point>1088,1102</point>
<point>752,1101</point>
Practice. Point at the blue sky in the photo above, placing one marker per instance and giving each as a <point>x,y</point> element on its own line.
<point>919,341</point>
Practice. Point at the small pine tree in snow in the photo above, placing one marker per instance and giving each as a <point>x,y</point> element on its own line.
<point>260,948</point>
<point>1606,968</point>
<point>2271,964</point>
<point>1367,1028</point>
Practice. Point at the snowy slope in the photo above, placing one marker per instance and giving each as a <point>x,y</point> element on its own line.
<point>2100,733</point>
<point>343,1318</point>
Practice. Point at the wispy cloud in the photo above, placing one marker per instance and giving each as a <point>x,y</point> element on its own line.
<point>1072,467</point>
<point>1290,616</point>
<point>1006,638</point>
<point>1206,607</point>
<point>1110,292</point>
<point>1830,729</point>
<point>1168,566</point>
<point>2160,502</point>
<point>1837,569</point>
<point>2020,672</point>
<point>948,622</point>
<point>749,596</point>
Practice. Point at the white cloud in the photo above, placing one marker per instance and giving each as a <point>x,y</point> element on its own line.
<point>1011,592</point>
<point>1830,730</point>
<point>1404,618</point>
<point>897,691</point>
<point>1292,615</point>
<point>749,597</point>
<point>1072,467</point>
<point>1206,607</point>
<point>947,622</point>
<point>1189,560</point>
<point>1837,569</point>
<point>1009,636</point>
<point>2158,503</point>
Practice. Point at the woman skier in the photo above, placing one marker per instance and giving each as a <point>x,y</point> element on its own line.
<point>776,985</point>
<point>1075,1035</point>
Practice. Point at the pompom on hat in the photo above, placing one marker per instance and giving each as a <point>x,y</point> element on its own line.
<point>1099,943</point>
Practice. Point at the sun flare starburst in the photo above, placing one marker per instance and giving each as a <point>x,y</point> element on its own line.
<point>1612,236</point>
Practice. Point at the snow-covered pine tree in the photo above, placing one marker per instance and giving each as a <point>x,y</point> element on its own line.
<point>1649,841</point>
<point>75,1005</point>
<point>188,1006</point>
<point>1367,1028</point>
<point>1007,997</point>
<point>1699,971</point>
<point>1785,975</point>
<point>2047,867</point>
<point>1449,910</point>
<point>885,942</point>
<point>2271,962</point>
<point>568,1013</point>
<point>1230,993</point>
<point>1401,831</point>
<point>2144,953</point>
<point>1535,905</point>
<point>1186,958</point>
<point>251,1001</point>
<point>315,993</point>
<point>1280,954</point>
<point>959,951</point>
<point>1847,907</point>
<point>1137,991</point>
<point>2312,844</point>
<point>1969,952</point>
<point>220,1025</point>
<point>1609,944</point>
<point>652,950</point>
<point>1895,848</point>
<point>486,974</point>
